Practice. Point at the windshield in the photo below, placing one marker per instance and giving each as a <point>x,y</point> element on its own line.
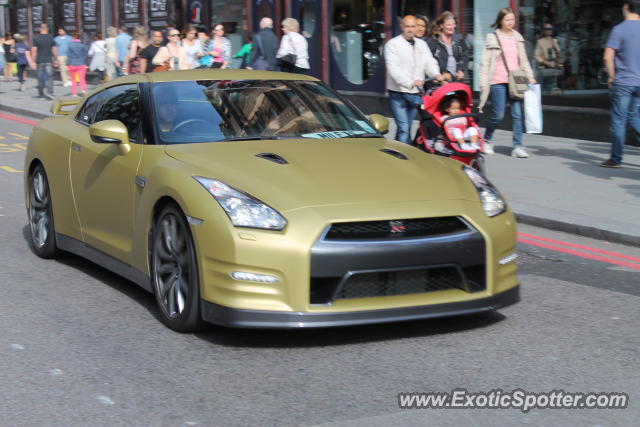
<point>224,110</point>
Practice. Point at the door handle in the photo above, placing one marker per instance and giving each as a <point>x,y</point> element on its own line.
<point>75,147</point>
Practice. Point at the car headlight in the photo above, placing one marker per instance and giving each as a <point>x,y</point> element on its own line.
<point>492,202</point>
<point>242,209</point>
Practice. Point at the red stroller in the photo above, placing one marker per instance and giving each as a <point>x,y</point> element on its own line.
<point>436,138</point>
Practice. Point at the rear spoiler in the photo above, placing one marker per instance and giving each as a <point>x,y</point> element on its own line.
<point>58,107</point>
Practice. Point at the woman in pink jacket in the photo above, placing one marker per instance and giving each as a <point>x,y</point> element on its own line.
<point>494,77</point>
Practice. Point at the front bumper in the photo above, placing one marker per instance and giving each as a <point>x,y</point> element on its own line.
<point>243,318</point>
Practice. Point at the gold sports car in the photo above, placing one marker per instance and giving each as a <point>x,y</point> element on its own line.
<point>264,200</point>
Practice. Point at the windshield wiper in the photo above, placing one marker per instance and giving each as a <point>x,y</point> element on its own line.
<point>259,137</point>
<point>365,135</point>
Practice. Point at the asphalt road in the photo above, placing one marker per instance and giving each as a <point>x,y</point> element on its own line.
<point>81,346</point>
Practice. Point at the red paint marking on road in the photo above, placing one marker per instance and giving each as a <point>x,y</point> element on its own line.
<point>586,248</point>
<point>581,254</point>
<point>18,119</point>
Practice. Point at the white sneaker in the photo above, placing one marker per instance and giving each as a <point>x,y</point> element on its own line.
<point>488,148</point>
<point>519,152</point>
<point>66,84</point>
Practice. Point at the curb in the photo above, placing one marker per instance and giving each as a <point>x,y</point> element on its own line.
<point>524,218</point>
<point>24,112</point>
<point>579,229</point>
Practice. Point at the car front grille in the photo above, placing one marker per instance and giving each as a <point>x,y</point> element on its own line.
<point>395,228</point>
<point>398,282</point>
<point>388,283</point>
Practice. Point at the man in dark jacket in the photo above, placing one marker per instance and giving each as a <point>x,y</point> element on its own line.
<point>264,47</point>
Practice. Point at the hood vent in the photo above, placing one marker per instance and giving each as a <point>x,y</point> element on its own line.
<point>273,158</point>
<point>394,153</point>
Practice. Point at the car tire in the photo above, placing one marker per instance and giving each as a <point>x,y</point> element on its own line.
<point>174,271</point>
<point>40,215</point>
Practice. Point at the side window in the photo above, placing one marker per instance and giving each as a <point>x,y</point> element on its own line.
<point>116,103</point>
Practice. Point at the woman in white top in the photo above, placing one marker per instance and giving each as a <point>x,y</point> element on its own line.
<point>171,56</point>
<point>112,53</point>
<point>293,43</point>
<point>191,46</point>
<point>98,54</point>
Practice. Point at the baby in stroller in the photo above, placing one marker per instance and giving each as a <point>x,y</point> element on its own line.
<point>448,128</point>
<point>458,127</point>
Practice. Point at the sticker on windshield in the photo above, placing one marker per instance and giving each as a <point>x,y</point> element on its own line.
<point>334,134</point>
<point>364,125</point>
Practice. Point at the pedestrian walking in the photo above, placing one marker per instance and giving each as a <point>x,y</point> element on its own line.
<point>191,46</point>
<point>123,39</point>
<point>243,54</point>
<point>623,66</point>
<point>205,60</point>
<point>112,53</point>
<point>171,56</point>
<point>219,48</point>
<point>503,44</point>
<point>44,51</point>
<point>409,62</point>
<point>77,58</point>
<point>422,28</point>
<point>3,61</point>
<point>98,55</point>
<point>63,40</point>
<point>448,47</point>
<point>23,60</point>
<point>9,45</point>
<point>293,54</point>
<point>147,54</point>
<point>132,59</point>
<point>264,47</point>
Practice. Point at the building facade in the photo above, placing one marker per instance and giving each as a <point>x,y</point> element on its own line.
<point>346,36</point>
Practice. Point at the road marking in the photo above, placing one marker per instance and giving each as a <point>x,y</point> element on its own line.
<point>11,148</point>
<point>17,346</point>
<point>576,246</point>
<point>10,169</point>
<point>581,254</point>
<point>18,119</point>
<point>56,372</point>
<point>105,400</point>
<point>18,135</point>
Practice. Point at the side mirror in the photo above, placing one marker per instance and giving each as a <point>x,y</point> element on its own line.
<point>110,132</point>
<point>380,122</point>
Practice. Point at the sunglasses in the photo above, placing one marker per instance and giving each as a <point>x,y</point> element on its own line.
<point>174,35</point>
<point>218,29</point>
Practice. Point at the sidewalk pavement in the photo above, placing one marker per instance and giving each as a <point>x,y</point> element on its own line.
<point>560,186</point>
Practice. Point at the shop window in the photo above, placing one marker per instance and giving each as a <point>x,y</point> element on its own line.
<point>356,38</point>
<point>308,14</point>
<point>580,29</point>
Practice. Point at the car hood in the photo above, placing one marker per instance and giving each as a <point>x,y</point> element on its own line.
<point>327,171</point>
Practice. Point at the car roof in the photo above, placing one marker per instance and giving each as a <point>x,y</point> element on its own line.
<point>208,74</point>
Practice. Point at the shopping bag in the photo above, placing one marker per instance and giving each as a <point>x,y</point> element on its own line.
<point>533,109</point>
<point>14,67</point>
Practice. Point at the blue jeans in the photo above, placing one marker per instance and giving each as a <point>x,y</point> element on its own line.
<point>404,107</point>
<point>498,95</point>
<point>45,78</point>
<point>625,103</point>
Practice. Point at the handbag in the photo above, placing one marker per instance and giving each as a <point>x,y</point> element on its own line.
<point>518,79</point>
<point>260,62</point>
<point>163,67</point>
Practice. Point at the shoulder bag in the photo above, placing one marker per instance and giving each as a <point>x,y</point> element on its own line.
<point>518,79</point>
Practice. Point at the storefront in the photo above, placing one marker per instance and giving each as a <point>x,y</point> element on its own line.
<point>346,37</point>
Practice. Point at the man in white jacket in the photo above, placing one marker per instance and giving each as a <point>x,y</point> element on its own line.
<point>408,61</point>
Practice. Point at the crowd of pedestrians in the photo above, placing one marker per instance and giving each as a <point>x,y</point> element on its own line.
<point>122,53</point>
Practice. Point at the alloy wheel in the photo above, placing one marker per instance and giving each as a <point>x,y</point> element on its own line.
<point>39,209</point>
<point>172,263</point>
